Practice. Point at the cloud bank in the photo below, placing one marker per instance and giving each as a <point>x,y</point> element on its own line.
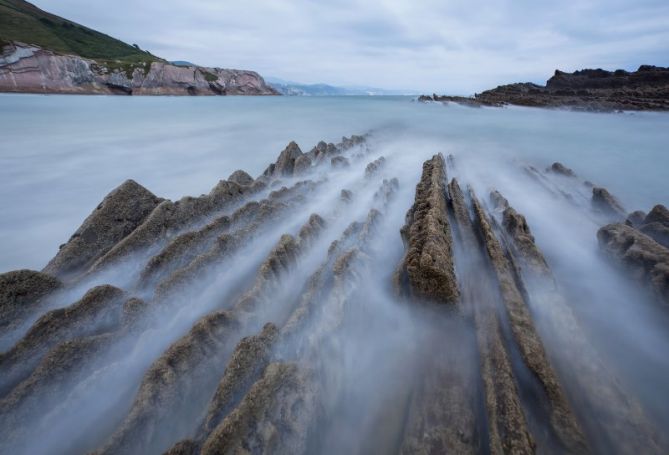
<point>453,46</point>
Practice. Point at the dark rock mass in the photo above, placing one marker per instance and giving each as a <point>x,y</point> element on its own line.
<point>646,89</point>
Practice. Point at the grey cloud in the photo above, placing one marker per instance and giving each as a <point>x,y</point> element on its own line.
<point>454,46</point>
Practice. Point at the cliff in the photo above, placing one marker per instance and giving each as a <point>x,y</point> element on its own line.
<point>31,69</point>
<point>646,89</point>
<point>44,53</point>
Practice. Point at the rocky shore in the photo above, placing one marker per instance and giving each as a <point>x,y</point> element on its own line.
<point>646,89</point>
<point>262,367</point>
<point>31,69</point>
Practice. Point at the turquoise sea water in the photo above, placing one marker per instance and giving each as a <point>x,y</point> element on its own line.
<point>59,155</point>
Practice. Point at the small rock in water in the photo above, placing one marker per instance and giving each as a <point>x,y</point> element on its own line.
<point>559,168</point>
<point>605,203</point>
<point>339,162</point>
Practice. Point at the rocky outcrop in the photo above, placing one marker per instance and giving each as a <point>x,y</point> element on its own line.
<point>21,292</point>
<point>608,406</point>
<point>302,164</point>
<point>427,268</point>
<point>168,218</point>
<point>561,417</point>
<point>96,312</point>
<point>561,169</point>
<point>647,88</point>
<point>517,228</point>
<point>62,366</point>
<point>275,416</point>
<point>340,162</point>
<point>285,164</point>
<point>606,204</point>
<point>168,384</point>
<point>646,260</point>
<point>254,336</point>
<point>192,247</point>
<point>373,167</point>
<point>31,69</point>
<point>656,225</point>
<point>241,178</point>
<point>119,213</point>
<point>507,426</point>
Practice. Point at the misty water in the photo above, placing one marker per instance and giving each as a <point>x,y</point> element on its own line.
<point>60,156</point>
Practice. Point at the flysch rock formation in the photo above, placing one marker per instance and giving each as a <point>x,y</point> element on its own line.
<point>27,68</point>
<point>232,332</point>
<point>647,88</point>
<point>608,405</point>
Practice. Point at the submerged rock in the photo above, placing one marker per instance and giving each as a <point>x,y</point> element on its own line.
<point>346,195</point>
<point>119,213</point>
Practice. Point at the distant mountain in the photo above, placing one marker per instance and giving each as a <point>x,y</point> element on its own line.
<point>44,53</point>
<point>290,88</point>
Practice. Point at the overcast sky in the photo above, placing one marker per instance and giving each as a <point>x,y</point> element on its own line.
<point>446,46</point>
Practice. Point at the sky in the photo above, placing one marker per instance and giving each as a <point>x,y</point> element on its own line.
<point>442,46</point>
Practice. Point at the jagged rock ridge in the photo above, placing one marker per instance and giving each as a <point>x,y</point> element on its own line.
<point>262,363</point>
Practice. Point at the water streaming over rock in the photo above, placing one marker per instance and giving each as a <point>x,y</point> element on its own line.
<point>356,298</point>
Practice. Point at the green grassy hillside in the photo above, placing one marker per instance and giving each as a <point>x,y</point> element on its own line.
<point>24,22</point>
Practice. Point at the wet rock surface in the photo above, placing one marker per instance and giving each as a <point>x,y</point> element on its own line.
<point>427,268</point>
<point>120,213</point>
<point>559,168</point>
<point>21,292</point>
<point>605,203</point>
<point>275,315</point>
<point>96,312</point>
